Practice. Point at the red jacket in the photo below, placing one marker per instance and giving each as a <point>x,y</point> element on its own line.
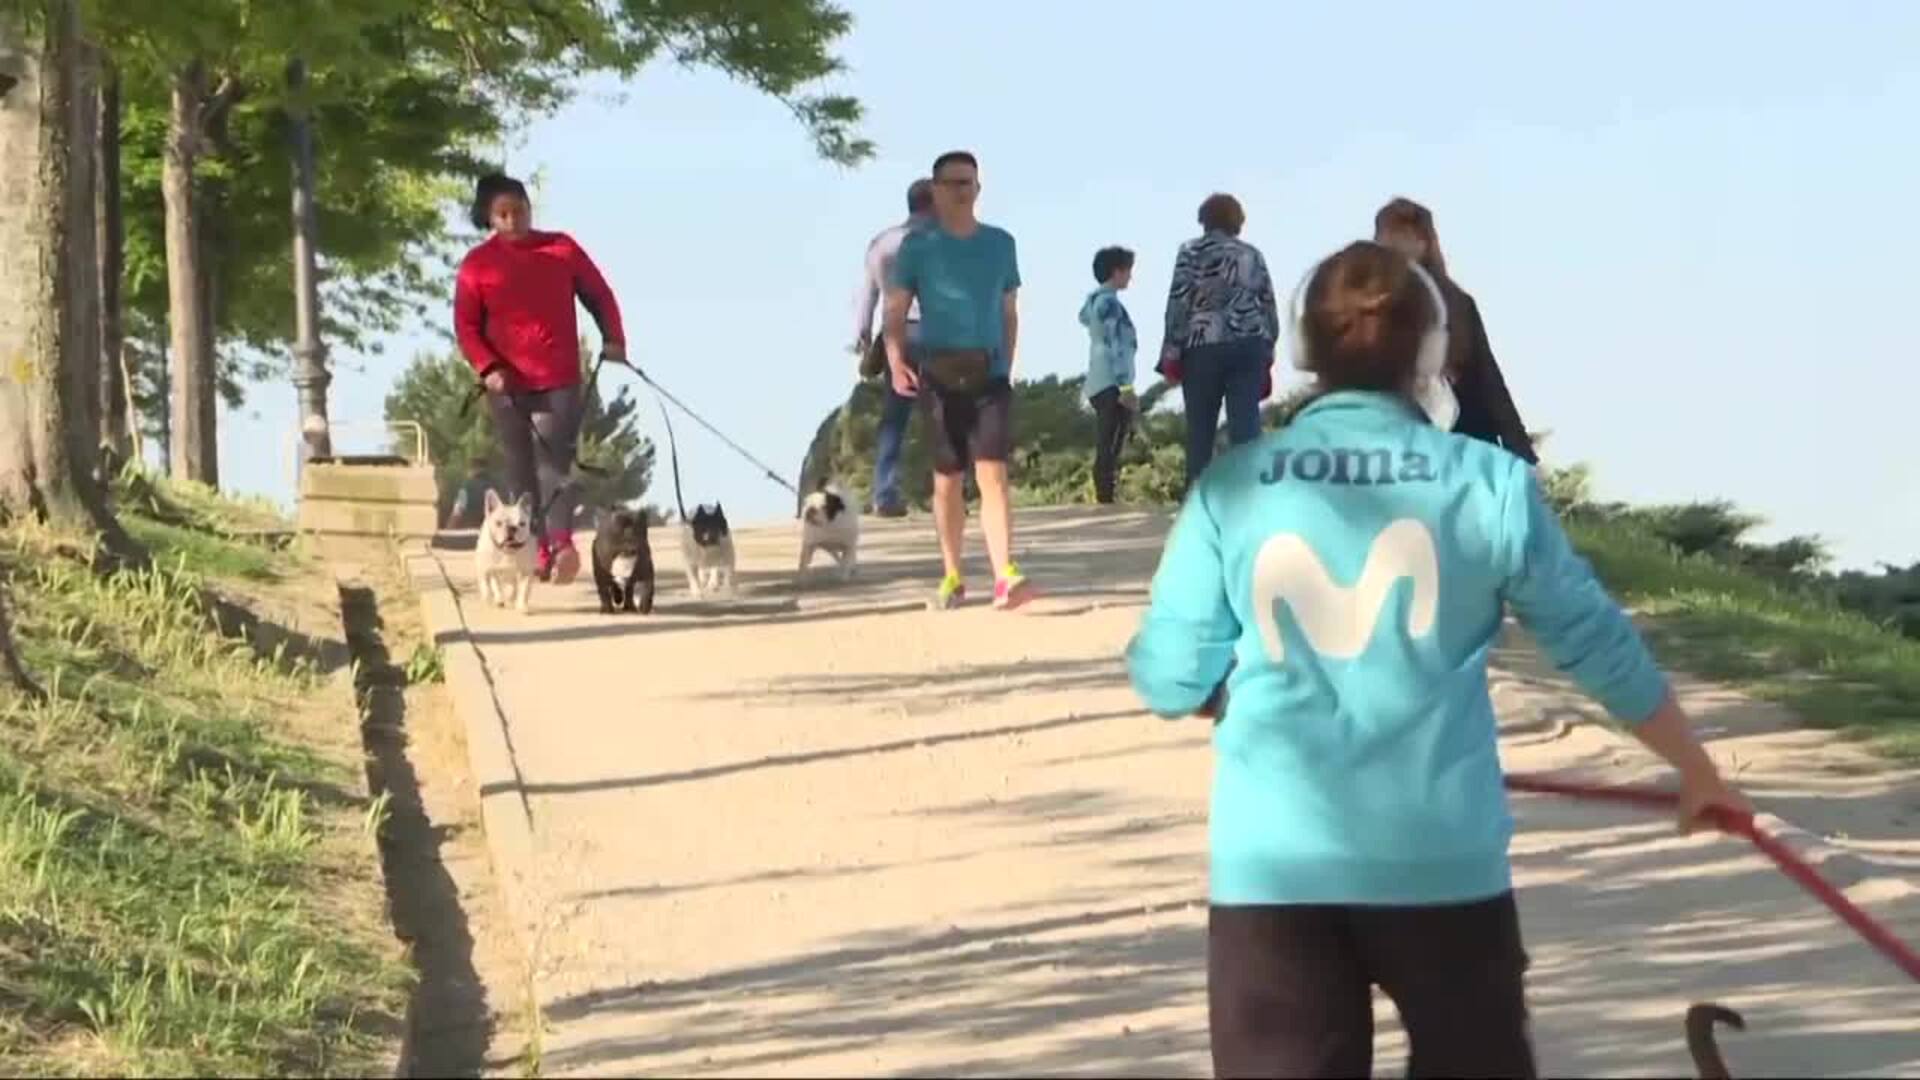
<point>513,305</point>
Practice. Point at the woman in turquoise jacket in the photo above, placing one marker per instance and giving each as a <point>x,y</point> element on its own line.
<point>1330,592</point>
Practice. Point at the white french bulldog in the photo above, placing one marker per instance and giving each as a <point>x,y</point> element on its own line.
<point>503,557</point>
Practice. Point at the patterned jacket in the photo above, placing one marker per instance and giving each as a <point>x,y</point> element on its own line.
<point>1221,292</point>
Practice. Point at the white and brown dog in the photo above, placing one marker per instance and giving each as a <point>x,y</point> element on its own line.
<point>829,524</point>
<point>503,557</point>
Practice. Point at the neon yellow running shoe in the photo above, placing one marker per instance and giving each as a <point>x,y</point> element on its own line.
<point>951,594</point>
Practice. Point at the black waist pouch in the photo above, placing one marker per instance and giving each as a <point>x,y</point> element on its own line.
<point>960,372</point>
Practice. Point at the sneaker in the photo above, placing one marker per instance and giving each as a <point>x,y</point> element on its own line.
<point>565,560</point>
<point>1012,590</point>
<point>543,563</point>
<point>890,510</point>
<point>951,594</point>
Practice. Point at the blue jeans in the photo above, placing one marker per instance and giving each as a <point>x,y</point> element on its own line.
<point>1229,373</point>
<point>895,411</point>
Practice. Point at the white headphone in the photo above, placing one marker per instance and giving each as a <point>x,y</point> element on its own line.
<point>1431,389</point>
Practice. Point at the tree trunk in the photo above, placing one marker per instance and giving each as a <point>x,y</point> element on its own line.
<point>42,293</point>
<point>192,450</point>
<point>310,376</point>
<point>114,375</point>
<point>163,386</point>
<point>23,301</point>
<point>83,311</point>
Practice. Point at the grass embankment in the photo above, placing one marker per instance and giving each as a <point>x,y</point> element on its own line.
<point>188,884</point>
<point>1834,668</point>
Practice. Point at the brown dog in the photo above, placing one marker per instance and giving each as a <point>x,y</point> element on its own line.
<point>1707,1062</point>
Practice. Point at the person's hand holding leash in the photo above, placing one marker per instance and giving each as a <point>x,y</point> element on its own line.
<point>1169,367</point>
<point>1668,734</point>
<point>1701,794</point>
<point>501,379</point>
<point>906,382</point>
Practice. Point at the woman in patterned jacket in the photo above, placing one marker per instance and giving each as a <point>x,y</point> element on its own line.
<point>1221,327</point>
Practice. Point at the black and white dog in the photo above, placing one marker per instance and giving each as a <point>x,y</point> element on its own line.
<point>829,524</point>
<point>706,543</point>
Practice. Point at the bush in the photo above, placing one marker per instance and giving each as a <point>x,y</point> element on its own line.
<point>1054,465</point>
<point>434,391</point>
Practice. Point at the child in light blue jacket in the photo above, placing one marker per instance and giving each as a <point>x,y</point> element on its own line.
<point>1111,347</point>
<point>1331,591</point>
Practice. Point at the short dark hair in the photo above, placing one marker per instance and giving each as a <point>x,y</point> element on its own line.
<point>1110,260</point>
<point>1221,212</point>
<point>1364,315</point>
<point>920,196</point>
<point>953,157</point>
<point>491,187</point>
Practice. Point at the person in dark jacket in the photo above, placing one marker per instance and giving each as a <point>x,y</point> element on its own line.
<point>1487,411</point>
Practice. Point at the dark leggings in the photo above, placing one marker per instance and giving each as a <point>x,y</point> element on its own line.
<point>1110,434</point>
<point>538,434</point>
<point>1289,988</point>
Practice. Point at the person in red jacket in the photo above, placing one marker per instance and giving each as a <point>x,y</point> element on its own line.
<point>514,318</point>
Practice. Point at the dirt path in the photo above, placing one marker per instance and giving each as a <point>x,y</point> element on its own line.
<point>827,832</point>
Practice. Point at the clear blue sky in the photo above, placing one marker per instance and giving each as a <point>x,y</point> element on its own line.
<point>1690,227</point>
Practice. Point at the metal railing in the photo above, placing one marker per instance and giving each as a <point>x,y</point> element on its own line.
<point>398,434</point>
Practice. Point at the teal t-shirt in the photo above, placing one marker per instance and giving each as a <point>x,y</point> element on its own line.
<point>961,283</point>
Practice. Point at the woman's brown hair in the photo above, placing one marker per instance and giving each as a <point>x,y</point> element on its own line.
<point>1363,315</point>
<point>1221,212</point>
<point>1405,214</point>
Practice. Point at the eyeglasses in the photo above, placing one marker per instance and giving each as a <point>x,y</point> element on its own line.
<point>959,182</point>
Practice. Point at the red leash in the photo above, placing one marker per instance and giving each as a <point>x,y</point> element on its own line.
<point>1743,825</point>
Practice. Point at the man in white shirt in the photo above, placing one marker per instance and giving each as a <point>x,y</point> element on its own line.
<point>896,409</point>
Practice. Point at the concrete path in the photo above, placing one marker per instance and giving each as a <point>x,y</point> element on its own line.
<point>823,831</point>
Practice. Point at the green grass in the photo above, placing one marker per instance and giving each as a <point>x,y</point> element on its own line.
<point>1834,668</point>
<point>186,884</point>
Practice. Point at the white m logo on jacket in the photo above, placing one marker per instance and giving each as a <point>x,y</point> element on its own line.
<point>1337,620</point>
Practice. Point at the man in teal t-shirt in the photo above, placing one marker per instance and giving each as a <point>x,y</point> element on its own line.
<point>966,278</point>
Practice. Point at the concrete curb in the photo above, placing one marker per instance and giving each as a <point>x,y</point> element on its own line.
<point>505,815</point>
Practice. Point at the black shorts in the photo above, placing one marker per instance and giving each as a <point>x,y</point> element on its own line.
<point>1289,988</point>
<point>963,430</point>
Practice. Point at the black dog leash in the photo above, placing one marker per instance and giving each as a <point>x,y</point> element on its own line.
<point>593,379</point>
<point>661,392</point>
<point>513,402</point>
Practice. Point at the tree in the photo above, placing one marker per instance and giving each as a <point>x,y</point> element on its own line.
<point>436,392</point>
<point>50,301</point>
<point>525,56</point>
<point>194,414</point>
<point>400,92</point>
<point>115,406</point>
<point>203,58</point>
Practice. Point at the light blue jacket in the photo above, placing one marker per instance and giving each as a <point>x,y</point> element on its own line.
<point>1112,341</point>
<point>1345,575</point>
